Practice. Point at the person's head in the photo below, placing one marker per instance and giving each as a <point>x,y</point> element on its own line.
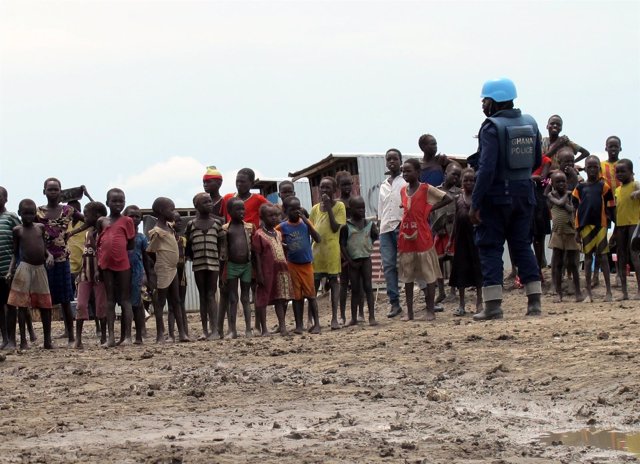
<point>428,144</point>
<point>27,211</point>
<point>292,208</point>
<point>286,189</point>
<point>452,174</point>
<point>212,180</point>
<point>163,208</point>
<point>559,182</point>
<point>358,208</point>
<point>75,204</point>
<point>345,183</point>
<point>51,190</point>
<point>624,170</point>
<point>244,180</point>
<point>4,196</point>
<point>235,207</point>
<point>497,94</point>
<point>592,168</point>
<point>393,158</point>
<point>203,203</point>
<point>328,186</point>
<point>468,177</point>
<point>411,170</point>
<point>613,147</point>
<point>554,125</point>
<point>566,159</point>
<point>93,211</point>
<point>133,211</point>
<point>115,200</point>
<point>270,215</point>
<point>177,219</point>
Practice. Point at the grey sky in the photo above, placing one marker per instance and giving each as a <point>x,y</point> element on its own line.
<point>144,94</point>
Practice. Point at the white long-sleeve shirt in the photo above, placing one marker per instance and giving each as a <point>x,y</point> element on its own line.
<point>389,204</point>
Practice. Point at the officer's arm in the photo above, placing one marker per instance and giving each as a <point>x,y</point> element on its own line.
<point>487,164</point>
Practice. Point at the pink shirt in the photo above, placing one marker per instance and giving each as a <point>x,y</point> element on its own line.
<point>112,244</point>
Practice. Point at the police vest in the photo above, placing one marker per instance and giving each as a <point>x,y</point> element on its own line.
<point>517,140</point>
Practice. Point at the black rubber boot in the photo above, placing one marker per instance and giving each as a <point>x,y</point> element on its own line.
<point>492,310</point>
<point>534,304</point>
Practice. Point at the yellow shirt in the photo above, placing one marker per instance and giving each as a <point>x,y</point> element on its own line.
<point>608,169</point>
<point>326,254</point>
<point>76,247</point>
<point>627,209</point>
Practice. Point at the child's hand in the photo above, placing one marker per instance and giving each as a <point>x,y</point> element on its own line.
<point>49,261</point>
<point>578,238</point>
<point>635,195</point>
<point>260,279</point>
<point>8,276</point>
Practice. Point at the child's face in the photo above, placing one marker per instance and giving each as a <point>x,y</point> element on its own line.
<point>294,211</point>
<point>204,204</point>
<point>453,175</point>
<point>554,126</point>
<point>271,217</point>
<point>409,173</point>
<point>52,191</point>
<point>237,211</point>
<point>243,183</point>
<point>28,214</point>
<point>212,185</point>
<point>135,215</point>
<point>613,148</point>
<point>393,162</point>
<point>431,146</point>
<point>566,160</point>
<point>167,211</point>
<point>115,202</point>
<point>623,173</point>
<point>326,188</point>
<point>345,186</point>
<point>90,216</point>
<point>357,208</point>
<point>559,183</point>
<point>468,182</point>
<point>286,191</point>
<point>177,219</point>
<point>592,167</point>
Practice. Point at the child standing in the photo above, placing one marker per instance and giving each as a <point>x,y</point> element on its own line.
<point>8,221</point>
<point>563,235</point>
<point>297,232</point>
<point>90,280</point>
<point>203,244</point>
<point>139,268</point>
<point>613,147</point>
<point>116,234</point>
<point>590,198</point>
<point>272,272</point>
<point>29,284</point>
<point>245,179</point>
<point>237,238</point>
<point>431,171</point>
<point>328,216</point>
<point>345,185</point>
<point>417,259</point>
<point>163,251</point>
<point>465,271</point>
<point>182,278</point>
<point>211,183</point>
<point>627,217</point>
<point>356,241</point>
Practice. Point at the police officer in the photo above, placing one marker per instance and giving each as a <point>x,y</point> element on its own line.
<point>503,199</point>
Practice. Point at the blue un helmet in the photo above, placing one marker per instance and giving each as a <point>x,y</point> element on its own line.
<point>499,90</point>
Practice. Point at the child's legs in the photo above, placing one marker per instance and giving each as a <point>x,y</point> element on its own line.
<point>634,256</point>
<point>430,296</point>
<point>212,305</point>
<point>45,317</point>
<point>313,312</point>
<point>355,277</point>
<point>123,288</point>
<point>110,288</point>
<point>557,259</point>
<point>84,295</point>
<point>4,294</point>
<point>334,287</point>
<point>344,287</point>
<point>245,295</point>
<point>408,290</point>
<point>572,267</point>
<point>22,324</point>
<point>603,260</point>
<point>623,240</point>
<point>366,284</point>
<point>201,282</point>
<point>232,296</point>
<point>280,306</point>
<point>158,310</point>
<point>173,295</point>
<point>461,292</point>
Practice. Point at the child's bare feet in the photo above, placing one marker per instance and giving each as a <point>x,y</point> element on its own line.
<point>557,299</point>
<point>406,318</point>
<point>232,334</point>
<point>160,339</point>
<point>636,296</point>
<point>608,297</point>
<point>248,333</point>
<point>334,324</point>
<point>623,297</point>
<point>48,346</point>
<point>213,336</point>
<point>298,330</point>
<point>137,341</point>
<point>372,321</point>
<point>429,316</point>
<point>315,329</point>
<point>184,339</point>
<point>580,297</point>
<point>125,342</point>
<point>24,345</point>
<point>78,345</point>
<point>352,322</point>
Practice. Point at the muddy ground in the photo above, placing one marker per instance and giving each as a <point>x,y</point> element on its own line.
<point>418,392</point>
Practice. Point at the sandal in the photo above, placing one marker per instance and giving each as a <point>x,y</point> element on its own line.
<point>459,312</point>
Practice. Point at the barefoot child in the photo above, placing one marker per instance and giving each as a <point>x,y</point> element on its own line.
<point>417,258</point>
<point>29,285</point>
<point>627,217</point>
<point>182,278</point>
<point>203,235</point>
<point>345,185</point>
<point>327,217</point>
<point>590,199</point>
<point>237,236</point>
<point>465,270</point>
<point>116,234</point>
<point>297,233</point>
<point>563,235</point>
<point>356,240</point>
<point>272,272</point>
<point>163,252</point>
<point>8,221</point>
<point>90,281</point>
<point>139,263</point>
<point>211,183</point>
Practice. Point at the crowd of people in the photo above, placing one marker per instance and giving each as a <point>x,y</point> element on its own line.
<point>435,218</point>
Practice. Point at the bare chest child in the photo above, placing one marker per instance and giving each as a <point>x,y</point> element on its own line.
<point>32,245</point>
<point>239,251</point>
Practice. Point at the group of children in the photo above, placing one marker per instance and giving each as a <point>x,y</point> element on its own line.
<point>252,249</point>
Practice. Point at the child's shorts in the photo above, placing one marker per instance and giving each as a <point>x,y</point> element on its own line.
<point>239,271</point>
<point>302,279</point>
<point>30,287</point>
<point>563,242</point>
<point>594,240</point>
<point>416,266</point>
<point>84,295</point>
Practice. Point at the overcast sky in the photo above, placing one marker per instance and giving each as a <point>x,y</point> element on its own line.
<point>143,94</point>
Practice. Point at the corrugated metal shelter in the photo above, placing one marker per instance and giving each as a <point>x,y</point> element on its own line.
<point>269,189</point>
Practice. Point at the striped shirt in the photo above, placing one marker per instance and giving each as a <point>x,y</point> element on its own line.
<point>203,246</point>
<point>7,222</point>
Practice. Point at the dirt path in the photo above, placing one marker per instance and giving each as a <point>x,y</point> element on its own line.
<point>453,391</point>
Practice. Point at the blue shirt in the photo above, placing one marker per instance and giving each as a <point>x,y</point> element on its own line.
<point>298,242</point>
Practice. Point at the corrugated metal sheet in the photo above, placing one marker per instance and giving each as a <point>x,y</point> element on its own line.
<point>371,173</point>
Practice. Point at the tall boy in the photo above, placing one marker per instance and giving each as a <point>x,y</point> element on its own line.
<point>627,217</point>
